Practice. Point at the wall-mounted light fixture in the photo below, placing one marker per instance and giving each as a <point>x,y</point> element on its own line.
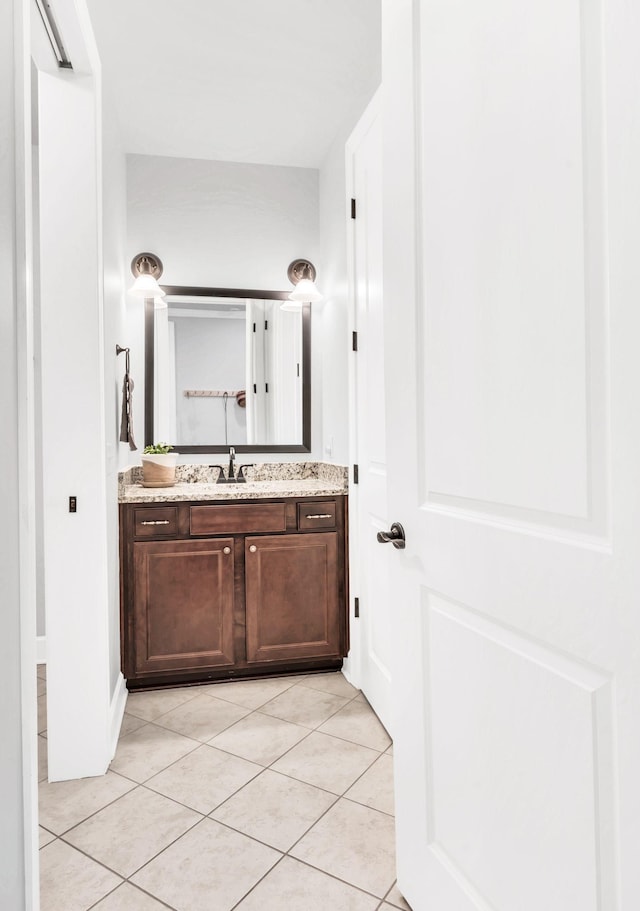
<point>302,274</point>
<point>146,268</point>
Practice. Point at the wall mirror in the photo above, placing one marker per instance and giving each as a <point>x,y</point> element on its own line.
<point>228,367</point>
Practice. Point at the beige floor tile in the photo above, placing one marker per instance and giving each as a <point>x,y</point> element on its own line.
<point>130,723</point>
<point>44,837</point>
<point>330,683</point>
<point>202,718</point>
<point>210,860</point>
<point>42,714</point>
<point>42,758</point>
<point>293,886</point>
<point>204,778</point>
<point>375,787</point>
<point>274,809</point>
<point>128,898</point>
<point>129,832</point>
<point>354,843</point>
<point>357,722</point>
<point>390,750</point>
<point>149,750</point>
<point>41,686</point>
<point>326,762</point>
<point>41,671</point>
<point>153,703</point>
<point>260,738</point>
<point>64,804</point>
<point>250,693</point>
<point>304,706</point>
<point>69,881</point>
<point>396,899</point>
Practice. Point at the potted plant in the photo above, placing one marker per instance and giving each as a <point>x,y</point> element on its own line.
<point>159,465</point>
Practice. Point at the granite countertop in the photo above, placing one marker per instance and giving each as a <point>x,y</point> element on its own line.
<point>264,481</point>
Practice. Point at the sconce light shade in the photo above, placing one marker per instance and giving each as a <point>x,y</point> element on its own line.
<point>302,274</point>
<point>147,269</point>
<point>146,286</point>
<point>305,290</point>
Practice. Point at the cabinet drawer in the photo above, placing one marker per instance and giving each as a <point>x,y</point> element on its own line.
<point>238,519</point>
<point>317,515</point>
<point>155,522</point>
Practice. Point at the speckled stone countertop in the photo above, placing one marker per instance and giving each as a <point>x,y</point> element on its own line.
<point>264,481</point>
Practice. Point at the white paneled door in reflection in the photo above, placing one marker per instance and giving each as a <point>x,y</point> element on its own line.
<point>511,230</point>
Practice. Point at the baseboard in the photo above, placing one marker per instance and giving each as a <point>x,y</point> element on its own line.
<point>41,649</point>
<point>348,671</point>
<point>116,712</point>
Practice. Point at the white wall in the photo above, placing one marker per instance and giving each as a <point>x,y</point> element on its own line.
<point>114,220</point>
<point>114,330</point>
<point>225,225</point>
<point>77,583</point>
<point>210,354</point>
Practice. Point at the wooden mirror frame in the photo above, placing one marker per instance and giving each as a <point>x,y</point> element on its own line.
<point>149,369</point>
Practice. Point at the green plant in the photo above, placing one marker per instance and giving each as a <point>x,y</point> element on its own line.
<point>157,449</point>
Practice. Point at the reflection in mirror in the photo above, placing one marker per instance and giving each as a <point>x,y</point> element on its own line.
<point>230,371</point>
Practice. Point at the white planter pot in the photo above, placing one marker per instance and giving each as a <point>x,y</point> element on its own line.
<point>159,470</point>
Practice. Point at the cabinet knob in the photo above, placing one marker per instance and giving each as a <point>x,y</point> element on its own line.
<point>253,548</point>
<point>226,550</point>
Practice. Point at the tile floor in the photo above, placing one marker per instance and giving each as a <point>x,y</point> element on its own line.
<point>251,795</point>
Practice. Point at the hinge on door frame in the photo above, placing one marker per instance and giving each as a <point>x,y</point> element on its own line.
<point>356,474</point>
<point>266,387</point>
<point>266,325</point>
<point>254,327</point>
<point>354,341</point>
<point>353,207</point>
<point>356,607</point>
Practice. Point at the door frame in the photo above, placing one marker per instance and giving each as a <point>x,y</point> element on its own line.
<point>353,663</point>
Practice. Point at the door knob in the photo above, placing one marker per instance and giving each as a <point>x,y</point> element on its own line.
<point>395,535</point>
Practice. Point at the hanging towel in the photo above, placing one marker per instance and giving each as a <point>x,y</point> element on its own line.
<point>126,421</point>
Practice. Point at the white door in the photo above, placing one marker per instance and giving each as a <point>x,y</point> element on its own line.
<point>370,578</point>
<point>512,304</point>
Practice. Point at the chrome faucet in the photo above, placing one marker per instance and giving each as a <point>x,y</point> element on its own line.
<point>232,458</point>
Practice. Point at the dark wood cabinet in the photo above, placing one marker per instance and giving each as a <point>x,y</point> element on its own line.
<point>293,608</point>
<point>183,605</point>
<point>205,595</point>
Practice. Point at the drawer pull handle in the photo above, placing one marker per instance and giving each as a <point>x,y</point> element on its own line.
<point>157,522</point>
<point>253,548</point>
<point>226,550</point>
<point>320,515</point>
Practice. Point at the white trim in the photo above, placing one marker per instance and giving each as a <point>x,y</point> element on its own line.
<point>352,665</point>
<point>41,649</point>
<point>26,442</point>
<point>116,712</point>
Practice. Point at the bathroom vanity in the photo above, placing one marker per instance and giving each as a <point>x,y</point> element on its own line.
<point>233,580</point>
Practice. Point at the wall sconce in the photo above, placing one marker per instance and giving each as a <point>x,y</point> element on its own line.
<point>302,274</point>
<point>146,268</point>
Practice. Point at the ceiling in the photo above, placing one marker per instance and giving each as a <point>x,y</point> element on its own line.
<point>260,81</point>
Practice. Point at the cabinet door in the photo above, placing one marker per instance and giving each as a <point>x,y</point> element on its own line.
<point>183,604</point>
<point>292,597</point>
